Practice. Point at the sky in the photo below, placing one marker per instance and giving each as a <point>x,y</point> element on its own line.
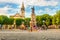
<point>11,7</point>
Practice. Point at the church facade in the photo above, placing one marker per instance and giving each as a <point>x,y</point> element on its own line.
<point>20,15</point>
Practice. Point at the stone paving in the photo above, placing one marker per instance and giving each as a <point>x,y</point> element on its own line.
<point>50,34</point>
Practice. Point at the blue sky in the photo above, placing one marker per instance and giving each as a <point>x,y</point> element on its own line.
<point>11,7</point>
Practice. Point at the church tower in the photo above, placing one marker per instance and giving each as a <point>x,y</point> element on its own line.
<point>33,19</point>
<point>22,11</point>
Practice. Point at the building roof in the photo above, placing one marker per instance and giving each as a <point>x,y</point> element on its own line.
<point>16,15</point>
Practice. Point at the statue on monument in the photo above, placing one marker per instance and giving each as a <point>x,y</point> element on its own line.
<point>33,20</point>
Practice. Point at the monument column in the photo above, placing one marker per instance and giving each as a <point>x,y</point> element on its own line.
<point>33,20</point>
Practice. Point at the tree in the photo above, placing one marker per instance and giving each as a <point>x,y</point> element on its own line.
<point>4,20</point>
<point>19,21</point>
<point>1,19</point>
<point>27,21</point>
<point>58,17</point>
<point>11,21</point>
<point>39,20</point>
<point>47,19</point>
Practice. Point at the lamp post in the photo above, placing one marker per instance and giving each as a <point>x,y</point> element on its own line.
<point>44,26</point>
<point>15,23</point>
<point>43,22</point>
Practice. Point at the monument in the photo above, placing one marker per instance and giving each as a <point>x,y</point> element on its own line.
<point>33,20</point>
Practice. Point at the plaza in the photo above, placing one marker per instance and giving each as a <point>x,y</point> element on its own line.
<point>29,20</point>
<point>50,34</point>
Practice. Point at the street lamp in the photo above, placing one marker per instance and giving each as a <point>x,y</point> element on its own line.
<point>44,26</point>
<point>43,22</point>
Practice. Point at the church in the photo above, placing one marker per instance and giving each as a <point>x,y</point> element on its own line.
<point>20,15</point>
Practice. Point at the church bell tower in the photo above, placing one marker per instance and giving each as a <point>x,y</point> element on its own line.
<point>22,11</point>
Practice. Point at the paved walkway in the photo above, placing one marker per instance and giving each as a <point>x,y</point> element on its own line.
<point>50,34</point>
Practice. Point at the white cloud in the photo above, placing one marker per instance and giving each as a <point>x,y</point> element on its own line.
<point>46,11</point>
<point>39,12</point>
<point>28,14</point>
<point>3,11</point>
<point>33,2</point>
<point>50,11</point>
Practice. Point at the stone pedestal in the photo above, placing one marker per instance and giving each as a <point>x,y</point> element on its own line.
<point>33,26</point>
